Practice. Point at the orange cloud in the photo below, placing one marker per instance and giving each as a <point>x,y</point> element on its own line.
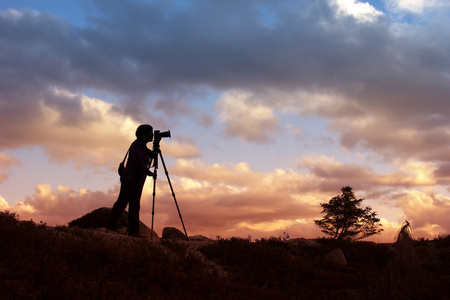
<point>98,135</point>
<point>218,200</point>
<point>60,206</point>
<point>409,174</point>
<point>6,161</point>
<point>426,211</point>
<point>186,148</point>
<point>233,200</point>
<point>3,204</point>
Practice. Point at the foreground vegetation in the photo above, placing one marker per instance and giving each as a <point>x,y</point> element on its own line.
<point>42,262</point>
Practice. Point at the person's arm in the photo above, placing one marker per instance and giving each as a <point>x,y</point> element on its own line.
<point>151,154</point>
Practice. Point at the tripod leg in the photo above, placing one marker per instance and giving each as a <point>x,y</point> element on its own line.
<point>173,195</point>
<point>153,206</point>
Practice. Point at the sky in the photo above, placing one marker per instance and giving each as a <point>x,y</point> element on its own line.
<point>273,107</point>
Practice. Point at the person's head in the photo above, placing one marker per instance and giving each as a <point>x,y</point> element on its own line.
<point>144,132</point>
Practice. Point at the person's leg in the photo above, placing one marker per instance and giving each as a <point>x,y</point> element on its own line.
<point>125,194</point>
<point>133,210</point>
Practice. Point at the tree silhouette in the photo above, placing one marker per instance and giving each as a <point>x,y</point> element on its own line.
<point>345,219</point>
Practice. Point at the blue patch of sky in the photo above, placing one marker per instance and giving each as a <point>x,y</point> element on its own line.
<point>267,16</point>
<point>181,3</point>
<point>378,4</point>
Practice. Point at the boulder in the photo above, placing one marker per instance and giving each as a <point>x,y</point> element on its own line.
<point>172,233</point>
<point>99,218</point>
<point>336,256</point>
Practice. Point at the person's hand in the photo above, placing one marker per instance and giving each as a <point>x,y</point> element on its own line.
<point>150,153</point>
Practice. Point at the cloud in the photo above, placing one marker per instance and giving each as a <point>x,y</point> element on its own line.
<point>426,211</point>
<point>394,137</point>
<point>76,128</point>
<point>62,205</point>
<point>382,87</point>
<point>218,200</point>
<point>73,127</point>
<point>387,75</point>
<point>6,161</point>
<point>233,200</point>
<point>332,174</point>
<point>162,55</point>
<point>245,118</point>
<point>3,204</point>
<point>442,174</point>
<point>362,11</point>
<point>186,148</point>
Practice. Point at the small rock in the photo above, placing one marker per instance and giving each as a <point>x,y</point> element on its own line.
<point>336,256</point>
<point>172,233</point>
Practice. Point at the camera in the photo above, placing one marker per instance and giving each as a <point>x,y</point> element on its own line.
<point>158,135</point>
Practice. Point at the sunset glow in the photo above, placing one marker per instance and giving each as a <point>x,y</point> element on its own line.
<point>272,107</point>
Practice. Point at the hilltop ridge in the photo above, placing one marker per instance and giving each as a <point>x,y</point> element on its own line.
<point>40,261</point>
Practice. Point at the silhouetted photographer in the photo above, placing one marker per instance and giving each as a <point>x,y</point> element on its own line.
<point>133,173</point>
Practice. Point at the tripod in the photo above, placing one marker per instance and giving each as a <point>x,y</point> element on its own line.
<point>157,151</point>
